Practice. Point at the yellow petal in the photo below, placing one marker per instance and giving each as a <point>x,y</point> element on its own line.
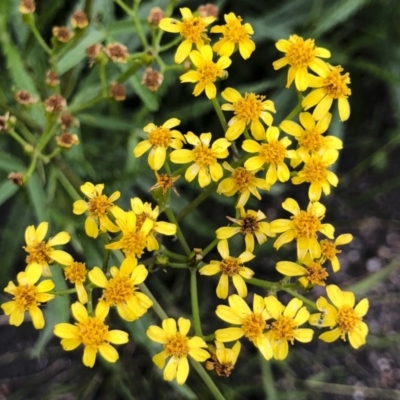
<point>91,228</point>
<point>79,312</point>
<point>89,356</point>
<point>66,331</point>
<point>37,317</point>
<point>228,334</point>
<point>223,287</point>
<point>96,275</point>
<point>182,370</point>
<point>41,231</point>
<point>228,315</point>
<point>108,352</point>
<point>60,238</point>
<point>171,368</point>
<point>184,326</point>
<point>79,207</point>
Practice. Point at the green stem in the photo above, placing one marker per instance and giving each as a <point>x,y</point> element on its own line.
<point>170,44</point>
<point>178,265</point>
<point>156,306</point>
<point>103,79</point>
<point>220,115</point>
<point>263,284</point>
<point>39,37</point>
<point>90,301</point>
<point>125,8</point>
<point>63,292</point>
<point>171,216</point>
<point>295,110</point>
<point>138,25</point>
<point>299,296</point>
<point>173,255</point>
<point>207,380</point>
<point>18,138</point>
<point>210,247</point>
<point>77,109</point>
<point>195,302</point>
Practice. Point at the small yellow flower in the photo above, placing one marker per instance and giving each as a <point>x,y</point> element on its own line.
<point>242,181</point>
<point>330,85</point>
<point>121,290</point>
<point>229,267</point>
<point>159,138</point>
<point>27,297</point>
<point>204,158</point>
<point>177,346</point>
<point>343,318</point>
<point>272,153</point>
<point>93,333</point>
<point>248,110</point>
<point>250,225</point>
<point>76,273</point>
<point>329,249</point>
<point>300,54</point>
<point>303,227</point>
<point>285,328</point>
<point>165,182</point>
<point>252,324</point>
<point>192,29</point>
<point>223,359</point>
<point>98,206</point>
<point>207,72</point>
<point>235,35</point>
<point>41,254</point>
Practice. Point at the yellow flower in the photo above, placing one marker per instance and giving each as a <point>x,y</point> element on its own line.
<point>159,138</point>
<point>177,346</point>
<point>229,267</point>
<point>242,181</point>
<point>250,225</point>
<point>207,72</point>
<point>300,55</point>
<point>143,212</point>
<point>27,297</point>
<point>303,227</point>
<point>342,316</point>
<point>223,360</point>
<point>93,333</point>
<point>235,35</point>
<point>272,153</point>
<point>203,157</point>
<point>285,328</point>
<point>41,254</point>
<point>121,290</point>
<point>248,110</point>
<point>252,324</point>
<point>331,85</point>
<point>76,273</point>
<point>315,171</point>
<point>192,29</point>
<point>329,249</point>
<point>98,206</point>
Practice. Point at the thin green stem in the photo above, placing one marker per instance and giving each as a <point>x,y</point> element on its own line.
<point>103,79</point>
<point>263,284</point>
<point>219,113</point>
<point>90,301</point>
<point>129,11</point>
<point>138,25</point>
<point>173,43</point>
<point>18,138</point>
<point>173,255</point>
<point>178,265</point>
<point>299,296</point>
<point>295,110</point>
<point>171,216</point>
<point>210,247</point>
<point>39,37</point>
<point>63,292</point>
<point>195,302</point>
<point>156,306</point>
<point>91,102</point>
<point>207,380</point>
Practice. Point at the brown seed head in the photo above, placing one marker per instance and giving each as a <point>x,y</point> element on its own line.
<point>27,6</point>
<point>67,140</point>
<point>17,178</point>
<point>55,104</point>
<point>25,98</point>
<point>152,79</point>
<point>156,14</point>
<point>208,10</point>
<point>67,120</point>
<point>117,91</point>
<point>79,20</point>
<point>52,78</point>
<point>62,33</point>
<point>117,52</point>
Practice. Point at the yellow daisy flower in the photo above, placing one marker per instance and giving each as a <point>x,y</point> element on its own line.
<point>272,153</point>
<point>28,297</point>
<point>76,273</point>
<point>98,206</point>
<point>343,318</point>
<point>329,249</point>
<point>93,333</point>
<point>229,267</point>
<point>285,328</point>
<point>250,225</point>
<point>121,290</point>
<point>207,72</point>
<point>248,110</point>
<point>223,359</point>
<point>303,227</point>
<point>235,35</point>
<point>242,181</point>
<point>159,138</point>
<point>40,253</point>
<point>300,55</point>
<point>204,158</point>
<point>192,29</point>
<point>177,346</point>
<point>330,85</point>
<point>252,324</point>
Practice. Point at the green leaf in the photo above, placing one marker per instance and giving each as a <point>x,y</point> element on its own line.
<point>100,121</point>
<point>149,99</point>
<point>10,163</point>
<point>38,198</point>
<point>7,190</point>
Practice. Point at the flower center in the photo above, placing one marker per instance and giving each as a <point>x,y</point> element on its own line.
<point>253,326</point>
<point>249,108</point>
<point>347,319</point>
<point>250,225</point>
<point>203,156</point>
<point>177,346</point>
<point>230,266</point>
<point>160,137</point>
<point>133,243</point>
<point>328,249</point>
<point>118,290</point>
<point>312,141</point>
<point>283,328</point>
<point>316,274</point>
<point>234,31</point>
<point>300,52</point>
<point>243,179</point>
<point>314,171</point>
<point>98,206</point>
<point>192,29</point>
<point>306,225</point>
<point>93,332</point>
<point>335,85</point>
<point>272,152</point>
<point>209,72</point>
<point>25,296</point>
<point>222,369</point>
<point>76,272</point>
<point>38,253</point>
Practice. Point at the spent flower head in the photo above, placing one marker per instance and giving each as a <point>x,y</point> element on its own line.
<point>223,359</point>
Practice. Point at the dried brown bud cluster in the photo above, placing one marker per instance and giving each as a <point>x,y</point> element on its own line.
<point>62,33</point>
<point>117,91</point>
<point>25,98</point>
<point>152,79</point>
<point>67,140</point>
<point>79,20</point>
<point>208,10</point>
<point>16,178</point>
<point>67,120</point>
<point>27,7</point>
<point>52,78</point>
<point>6,122</point>
<point>156,14</point>
<point>55,104</point>
<point>117,52</point>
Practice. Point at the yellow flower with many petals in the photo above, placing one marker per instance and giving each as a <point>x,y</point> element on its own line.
<point>159,138</point>
<point>98,206</point>
<point>303,227</point>
<point>177,346</point>
<point>192,29</point>
<point>250,225</point>
<point>285,328</point>
<point>272,154</point>
<point>76,273</point>
<point>223,360</point>
<point>28,297</point>
<point>93,333</point>
<point>330,85</point>
<point>229,267</point>
<point>235,35</point>
<point>343,318</point>
<point>121,290</point>
<point>300,55</point>
<point>252,324</point>
<point>207,72</point>
<point>248,110</point>
<point>40,253</point>
<point>204,158</point>
<point>329,249</point>
<point>242,181</point>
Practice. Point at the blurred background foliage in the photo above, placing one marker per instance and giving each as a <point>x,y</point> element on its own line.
<point>363,36</point>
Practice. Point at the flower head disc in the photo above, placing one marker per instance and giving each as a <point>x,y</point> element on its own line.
<point>76,273</point>
<point>329,249</point>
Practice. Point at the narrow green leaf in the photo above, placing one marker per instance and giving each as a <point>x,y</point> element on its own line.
<point>38,198</point>
<point>7,190</point>
<point>149,99</point>
<point>10,163</point>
